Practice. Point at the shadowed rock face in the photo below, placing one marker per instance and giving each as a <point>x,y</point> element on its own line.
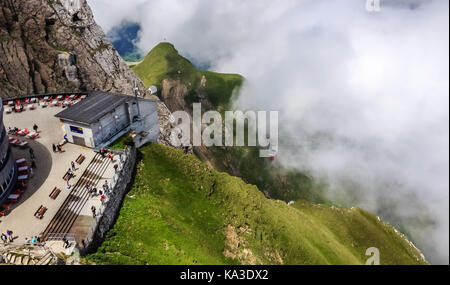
<point>49,46</point>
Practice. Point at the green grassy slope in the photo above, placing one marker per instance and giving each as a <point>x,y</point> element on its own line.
<point>164,61</point>
<point>181,212</point>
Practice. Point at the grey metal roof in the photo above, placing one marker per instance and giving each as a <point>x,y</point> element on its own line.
<point>91,109</point>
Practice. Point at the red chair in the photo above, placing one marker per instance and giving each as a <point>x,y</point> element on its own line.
<point>33,136</point>
<point>22,185</point>
<point>5,210</point>
<point>19,192</point>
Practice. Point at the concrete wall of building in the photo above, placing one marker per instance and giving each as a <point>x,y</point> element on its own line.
<point>87,134</point>
<point>110,124</point>
<point>150,124</point>
<point>4,145</point>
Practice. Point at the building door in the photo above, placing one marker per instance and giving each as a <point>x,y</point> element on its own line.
<point>79,141</point>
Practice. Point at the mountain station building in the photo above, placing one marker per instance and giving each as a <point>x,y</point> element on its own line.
<point>8,168</point>
<point>103,117</point>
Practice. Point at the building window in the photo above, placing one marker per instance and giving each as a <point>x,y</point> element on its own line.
<point>76,130</point>
<point>5,184</point>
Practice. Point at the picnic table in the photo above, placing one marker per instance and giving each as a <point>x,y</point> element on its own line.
<point>22,144</point>
<point>33,100</point>
<point>21,160</point>
<point>83,96</point>
<point>46,98</point>
<point>22,177</point>
<point>40,212</point>
<point>33,135</point>
<point>72,96</point>
<point>13,196</point>
<point>10,103</point>
<point>23,168</point>
<point>23,132</point>
<point>54,194</point>
<point>59,97</point>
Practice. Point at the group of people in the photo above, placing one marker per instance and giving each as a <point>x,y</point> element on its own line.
<point>95,192</point>
<point>12,130</point>
<point>15,129</point>
<point>8,237</point>
<point>71,173</point>
<point>57,148</point>
<point>33,240</point>
<point>106,153</point>
<point>102,194</point>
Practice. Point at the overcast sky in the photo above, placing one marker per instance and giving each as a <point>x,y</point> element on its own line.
<point>375,85</point>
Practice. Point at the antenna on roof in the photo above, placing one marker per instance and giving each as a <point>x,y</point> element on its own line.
<point>153,89</point>
<point>136,95</point>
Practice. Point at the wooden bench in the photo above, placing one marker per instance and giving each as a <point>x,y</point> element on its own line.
<point>67,176</point>
<point>80,159</point>
<point>55,193</point>
<point>40,212</point>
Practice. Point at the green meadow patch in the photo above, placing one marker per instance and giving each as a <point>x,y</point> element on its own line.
<point>179,211</point>
<point>164,61</point>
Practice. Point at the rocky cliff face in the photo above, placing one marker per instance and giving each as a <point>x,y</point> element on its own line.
<point>53,45</point>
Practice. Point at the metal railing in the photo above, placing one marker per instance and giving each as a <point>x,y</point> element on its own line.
<point>39,95</point>
<point>60,236</point>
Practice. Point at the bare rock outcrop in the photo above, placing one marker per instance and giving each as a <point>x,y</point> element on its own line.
<point>53,45</point>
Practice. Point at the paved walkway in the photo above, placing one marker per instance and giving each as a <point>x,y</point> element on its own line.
<point>51,167</point>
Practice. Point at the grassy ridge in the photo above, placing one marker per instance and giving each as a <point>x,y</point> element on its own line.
<point>164,61</point>
<point>181,212</point>
<point>279,183</point>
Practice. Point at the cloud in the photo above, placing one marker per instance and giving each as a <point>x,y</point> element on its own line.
<point>363,97</point>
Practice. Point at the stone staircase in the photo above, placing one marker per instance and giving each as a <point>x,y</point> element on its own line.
<point>36,255</point>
